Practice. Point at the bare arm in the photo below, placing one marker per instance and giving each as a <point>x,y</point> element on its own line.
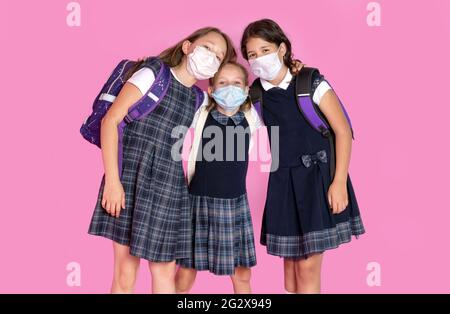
<point>332,110</point>
<point>113,195</point>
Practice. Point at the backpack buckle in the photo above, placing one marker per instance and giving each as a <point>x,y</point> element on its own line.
<point>324,131</point>
<point>128,119</point>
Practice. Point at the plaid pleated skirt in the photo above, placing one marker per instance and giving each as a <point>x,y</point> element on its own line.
<point>222,235</point>
<point>156,221</point>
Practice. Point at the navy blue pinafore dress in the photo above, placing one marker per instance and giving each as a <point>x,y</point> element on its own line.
<point>297,220</point>
<point>222,232</point>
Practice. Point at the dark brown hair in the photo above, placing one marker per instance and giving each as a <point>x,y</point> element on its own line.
<point>174,55</point>
<point>271,32</point>
<point>247,104</point>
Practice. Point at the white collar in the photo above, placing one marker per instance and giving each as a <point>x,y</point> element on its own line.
<point>284,84</point>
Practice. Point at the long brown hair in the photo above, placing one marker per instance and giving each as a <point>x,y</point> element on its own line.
<point>271,32</point>
<point>247,104</point>
<point>173,56</point>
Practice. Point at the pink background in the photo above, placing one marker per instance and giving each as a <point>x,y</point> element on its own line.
<point>392,78</point>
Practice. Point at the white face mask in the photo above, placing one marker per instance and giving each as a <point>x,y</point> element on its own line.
<point>266,67</point>
<point>202,63</point>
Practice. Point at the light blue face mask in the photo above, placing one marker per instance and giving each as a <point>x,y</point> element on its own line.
<point>229,97</point>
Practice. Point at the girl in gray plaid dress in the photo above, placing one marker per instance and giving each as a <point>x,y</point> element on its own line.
<point>145,209</point>
<point>222,233</point>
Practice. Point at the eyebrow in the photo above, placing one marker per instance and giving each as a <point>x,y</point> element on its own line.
<point>240,79</point>
<point>222,77</point>
<point>251,51</point>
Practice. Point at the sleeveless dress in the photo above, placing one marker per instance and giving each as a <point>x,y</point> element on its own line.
<point>156,221</point>
<point>297,220</point>
<point>222,234</point>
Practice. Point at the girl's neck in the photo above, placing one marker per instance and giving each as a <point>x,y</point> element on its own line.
<point>228,114</point>
<point>183,75</point>
<point>279,78</point>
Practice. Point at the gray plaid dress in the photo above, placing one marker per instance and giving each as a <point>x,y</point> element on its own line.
<point>156,221</point>
<point>222,233</point>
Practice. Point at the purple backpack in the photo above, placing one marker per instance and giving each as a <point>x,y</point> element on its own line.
<point>90,129</point>
<point>309,110</point>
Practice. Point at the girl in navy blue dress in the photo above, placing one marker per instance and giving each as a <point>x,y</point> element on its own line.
<point>307,211</point>
<point>222,237</point>
<point>145,209</point>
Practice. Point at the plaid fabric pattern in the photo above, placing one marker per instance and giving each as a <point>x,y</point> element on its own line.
<point>222,235</point>
<point>223,119</point>
<point>156,221</point>
<point>312,242</point>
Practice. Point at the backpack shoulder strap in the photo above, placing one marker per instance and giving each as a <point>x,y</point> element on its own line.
<point>309,109</point>
<point>256,98</point>
<point>252,125</point>
<point>303,83</point>
<point>199,96</point>
<point>196,143</point>
<point>251,120</point>
<point>311,112</point>
<point>154,95</point>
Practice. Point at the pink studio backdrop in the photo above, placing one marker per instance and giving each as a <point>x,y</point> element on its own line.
<point>392,78</point>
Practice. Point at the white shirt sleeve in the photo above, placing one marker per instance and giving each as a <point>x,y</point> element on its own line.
<point>203,105</point>
<point>142,79</point>
<point>320,91</point>
<point>256,117</point>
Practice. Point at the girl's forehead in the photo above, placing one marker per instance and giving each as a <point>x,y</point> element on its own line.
<point>257,42</point>
<point>214,39</point>
<point>231,70</point>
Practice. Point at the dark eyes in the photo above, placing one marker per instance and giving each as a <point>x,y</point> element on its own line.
<point>253,55</point>
<point>237,83</point>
